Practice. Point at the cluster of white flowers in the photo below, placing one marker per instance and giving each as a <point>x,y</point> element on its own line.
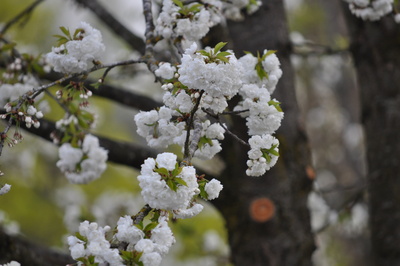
<point>155,188</point>
<point>263,154</point>
<point>94,243</point>
<point>153,248</point>
<point>215,77</point>
<point>11,92</point>
<point>82,165</point>
<point>77,55</point>
<point>270,66</point>
<point>370,9</point>
<point>158,129</point>
<point>209,145</point>
<point>213,188</point>
<point>12,263</point>
<point>192,21</point>
<point>263,116</point>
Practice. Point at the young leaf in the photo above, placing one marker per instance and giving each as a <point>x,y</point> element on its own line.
<point>267,54</point>
<point>172,185</point>
<point>178,3</point>
<point>162,171</point>
<point>66,32</point>
<point>180,181</point>
<point>219,46</point>
<point>276,105</point>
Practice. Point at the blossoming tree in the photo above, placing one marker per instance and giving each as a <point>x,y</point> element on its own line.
<point>217,101</point>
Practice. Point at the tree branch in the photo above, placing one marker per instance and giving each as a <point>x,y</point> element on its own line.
<point>23,13</point>
<point>122,96</point>
<point>28,253</point>
<point>117,27</point>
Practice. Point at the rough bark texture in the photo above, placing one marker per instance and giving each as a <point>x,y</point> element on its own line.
<point>28,253</point>
<point>285,238</point>
<point>376,53</point>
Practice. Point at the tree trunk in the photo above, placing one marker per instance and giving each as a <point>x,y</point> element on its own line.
<point>375,47</point>
<point>267,217</point>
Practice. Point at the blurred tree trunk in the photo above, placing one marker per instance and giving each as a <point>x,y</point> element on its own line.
<point>267,217</point>
<point>375,47</point>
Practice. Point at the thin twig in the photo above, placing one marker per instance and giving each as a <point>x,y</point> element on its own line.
<point>187,156</point>
<point>216,116</point>
<point>150,40</point>
<point>138,218</point>
<point>25,12</point>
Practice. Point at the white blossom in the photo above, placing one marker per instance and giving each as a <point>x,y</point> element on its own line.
<point>213,188</point>
<point>127,232</point>
<point>158,194</point>
<point>261,159</point>
<point>79,169</point>
<point>157,128</point>
<point>77,56</point>
<point>263,117</point>
<point>96,245</point>
<point>271,66</point>
<point>216,79</point>
<point>171,23</point>
<point>370,10</point>
<point>165,70</point>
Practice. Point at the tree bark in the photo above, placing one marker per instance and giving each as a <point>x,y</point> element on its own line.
<point>267,217</point>
<point>376,53</point>
<point>27,253</point>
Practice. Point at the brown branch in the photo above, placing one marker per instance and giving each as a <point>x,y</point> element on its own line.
<point>117,27</point>
<point>122,96</point>
<point>28,253</point>
<point>120,152</point>
<point>24,13</point>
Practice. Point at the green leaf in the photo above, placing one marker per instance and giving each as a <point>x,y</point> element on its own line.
<point>276,105</point>
<point>195,8</point>
<point>126,255</point>
<point>223,59</point>
<point>180,181</point>
<point>172,185</point>
<point>204,140</point>
<point>162,171</point>
<point>267,54</point>
<point>150,227</point>
<point>66,32</point>
<point>178,3</point>
<point>219,46</point>
<point>204,53</point>
<point>260,71</point>
<point>224,53</point>
<point>176,171</point>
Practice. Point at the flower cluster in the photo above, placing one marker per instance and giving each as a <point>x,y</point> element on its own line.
<point>263,154</point>
<point>165,185</point>
<point>91,245</point>
<point>84,164</point>
<point>11,91</point>
<point>202,85</point>
<point>370,9</point>
<point>151,249</point>
<point>75,54</point>
<point>192,21</point>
